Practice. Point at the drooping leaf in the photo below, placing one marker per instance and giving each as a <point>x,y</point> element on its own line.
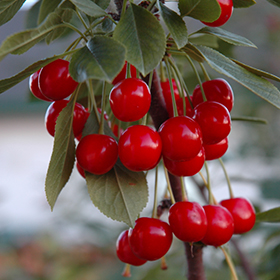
<point>206,10</point>
<point>243,3</point>
<point>63,155</point>
<point>8,83</point>
<point>89,8</point>
<point>119,194</point>
<point>226,36</point>
<point>31,19</point>
<point>8,8</point>
<point>47,7</point>
<point>274,2</point>
<point>143,36</point>
<point>175,25</point>
<point>251,81</point>
<point>102,58</point>
<point>269,216</point>
<point>23,41</point>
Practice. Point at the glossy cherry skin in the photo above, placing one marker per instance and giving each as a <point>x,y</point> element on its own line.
<point>214,121</point>
<point>220,225</point>
<point>34,86</point>
<point>55,81</point>
<point>150,239</point>
<point>181,138</point>
<point>97,153</point>
<point>53,111</point>
<point>130,100</point>
<point>218,90</point>
<point>243,213</point>
<point>185,168</point>
<point>226,12</point>
<point>166,91</point>
<point>124,251</point>
<point>188,221</point>
<point>216,151</point>
<point>121,76</point>
<point>140,148</point>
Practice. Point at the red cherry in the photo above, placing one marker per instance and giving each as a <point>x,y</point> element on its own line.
<point>34,86</point>
<point>124,252</point>
<point>216,151</point>
<point>226,11</point>
<point>220,225</point>
<point>97,153</point>
<point>53,111</point>
<point>243,213</point>
<point>150,239</point>
<point>80,170</point>
<point>181,138</point>
<point>55,81</point>
<point>166,91</point>
<point>214,121</point>
<point>180,107</point>
<point>218,90</point>
<point>185,168</point>
<point>121,76</point>
<point>130,99</point>
<point>188,221</point>
<point>140,148</point>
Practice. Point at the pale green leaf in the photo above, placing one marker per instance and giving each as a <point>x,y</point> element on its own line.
<point>175,25</point>
<point>205,40</point>
<point>63,155</point>
<point>89,8</point>
<point>143,36</point>
<point>102,58</point>
<point>203,10</point>
<point>8,8</point>
<point>47,7</point>
<point>251,81</point>
<point>269,216</point>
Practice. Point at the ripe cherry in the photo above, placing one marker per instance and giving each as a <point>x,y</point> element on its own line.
<point>217,150</point>
<point>150,239</point>
<point>243,213</point>
<point>218,90</point>
<point>97,153</point>
<point>181,138</point>
<point>214,121</point>
<point>180,107</point>
<point>140,148</point>
<point>121,76</point>
<point>124,251</point>
<point>226,11</point>
<point>55,81</point>
<point>130,99</point>
<point>185,168</point>
<point>34,86</point>
<point>80,170</point>
<point>220,225</point>
<point>53,111</point>
<point>188,221</point>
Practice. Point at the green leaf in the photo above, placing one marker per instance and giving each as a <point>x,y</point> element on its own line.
<point>274,2</point>
<point>227,67</point>
<point>205,40</point>
<point>102,58</point>
<point>89,8</point>
<point>31,18</point>
<point>63,155</point>
<point>8,8</point>
<point>258,72</point>
<point>269,216</point>
<point>175,25</point>
<point>47,7</point>
<point>226,36</point>
<point>102,3</point>
<point>193,53</point>
<point>243,3</point>
<point>143,36</point>
<point>119,194</point>
<point>23,41</point>
<point>203,10</point>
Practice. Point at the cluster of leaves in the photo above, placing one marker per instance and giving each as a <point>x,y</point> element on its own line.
<point>99,53</point>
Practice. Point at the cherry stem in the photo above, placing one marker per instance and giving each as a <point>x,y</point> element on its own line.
<point>123,7</point>
<point>184,192</point>
<point>126,271</point>
<point>198,77</point>
<point>175,111</point>
<point>169,186</point>
<point>154,215</point>
<point>212,200</point>
<point>66,24</point>
<point>101,126</point>
<point>163,264</point>
<point>227,178</point>
<point>206,76</point>
<point>83,22</point>
<point>127,74</point>
<point>230,263</point>
<point>153,2</point>
<point>92,100</point>
<point>162,73</point>
<point>145,118</point>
